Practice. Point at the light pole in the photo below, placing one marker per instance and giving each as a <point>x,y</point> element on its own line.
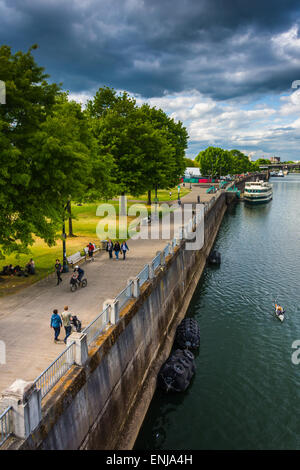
<point>64,236</point>
<point>179,201</point>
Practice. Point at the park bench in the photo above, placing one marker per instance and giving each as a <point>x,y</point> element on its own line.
<point>74,259</point>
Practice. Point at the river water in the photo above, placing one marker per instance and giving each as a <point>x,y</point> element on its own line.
<point>246,390</point>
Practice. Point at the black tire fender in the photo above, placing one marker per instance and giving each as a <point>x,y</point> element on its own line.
<point>177,367</point>
<point>189,354</point>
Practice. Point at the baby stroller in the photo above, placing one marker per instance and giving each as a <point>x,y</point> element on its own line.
<point>76,324</point>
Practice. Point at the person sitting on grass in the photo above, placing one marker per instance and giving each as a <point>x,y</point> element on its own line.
<point>30,267</point>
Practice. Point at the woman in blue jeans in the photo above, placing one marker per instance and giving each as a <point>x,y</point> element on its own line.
<point>56,324</point>
<point>117,249</point>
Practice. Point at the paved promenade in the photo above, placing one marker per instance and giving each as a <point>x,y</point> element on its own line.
<point>25,316</point>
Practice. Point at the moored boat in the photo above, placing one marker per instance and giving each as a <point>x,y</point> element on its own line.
<point>258,192</point>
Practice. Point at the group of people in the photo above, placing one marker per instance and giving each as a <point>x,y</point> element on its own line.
<point>78,272</point>
<point>11,270</point>
<point>57,321</point>
<point>76,276</point>
<point>117,248</point>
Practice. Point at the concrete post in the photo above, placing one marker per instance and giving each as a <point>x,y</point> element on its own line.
<point>135,286</point>
<point>81,347</point>
<point>25,399</point>
<point>151,271</point>
<point>114,314</point>
<point>162,257</point>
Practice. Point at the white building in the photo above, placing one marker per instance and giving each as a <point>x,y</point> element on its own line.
<point>192,172</point>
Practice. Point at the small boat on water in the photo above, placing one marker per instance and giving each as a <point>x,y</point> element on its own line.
<point>279,173</point>
<point>279,312</point>
<point>258,192</point>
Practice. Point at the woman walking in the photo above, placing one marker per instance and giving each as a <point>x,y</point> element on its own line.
<point>117,249</point>
<point>56,324</point>
<point>124,248</point>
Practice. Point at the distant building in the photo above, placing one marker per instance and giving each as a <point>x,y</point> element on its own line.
<point>191,172</point>
<point>275,159</point>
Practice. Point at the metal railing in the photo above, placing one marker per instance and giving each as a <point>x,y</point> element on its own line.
<point>166,250</point>
<point>5,424</point>
<point>144,275</point>
<point>96,327</point>
<point>125,295</point>
<point>156,261</point>
<point>56,370</point>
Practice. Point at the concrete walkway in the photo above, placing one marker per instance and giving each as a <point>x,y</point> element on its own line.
<point>25,316</point>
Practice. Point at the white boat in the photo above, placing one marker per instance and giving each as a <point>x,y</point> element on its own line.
<point>258,192</point>
<point>280,173</point>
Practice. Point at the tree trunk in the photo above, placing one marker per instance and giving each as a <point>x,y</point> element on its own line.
<point>123,204</point>
<point>149,198</point>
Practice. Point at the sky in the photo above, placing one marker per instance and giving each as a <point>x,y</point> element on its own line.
<point>225,68</point>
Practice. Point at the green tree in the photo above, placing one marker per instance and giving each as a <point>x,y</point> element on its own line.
<point>214,161</point>
<point>191,163</point>
<point>29,100</point>
<point>170,170</point>
<point>263,161</point>
<point>239,162</point>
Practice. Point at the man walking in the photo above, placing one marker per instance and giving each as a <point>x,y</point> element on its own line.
<point>66,317</point>
<point>56,324</point>
<point>58,269</point>
<point>109,248</point>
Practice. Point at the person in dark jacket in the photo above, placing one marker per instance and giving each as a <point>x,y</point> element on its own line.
<point>58,269</point>
<point>91,250</point>
<point>109,248</point>
<point>117,249</point>
<point>124,248</point>
<point>56,324</point>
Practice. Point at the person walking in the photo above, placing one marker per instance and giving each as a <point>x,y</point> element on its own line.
<point>109,248</point>
<point>124,248</point>
<point>66,318</point>
<point>58,269</point>
<point>117,249</point>
<point>56,324</point>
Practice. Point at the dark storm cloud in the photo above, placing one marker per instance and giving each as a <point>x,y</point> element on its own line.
<point>221,48</point>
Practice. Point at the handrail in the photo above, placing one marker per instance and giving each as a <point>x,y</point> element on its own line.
<point>96,326</point>
<point>50,376</point>
<point>5,425</point>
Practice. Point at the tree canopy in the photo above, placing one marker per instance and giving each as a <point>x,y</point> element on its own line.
<point>215,161</point>
<point>53,152</point>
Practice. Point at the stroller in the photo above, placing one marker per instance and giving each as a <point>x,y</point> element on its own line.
<point>76,324</point>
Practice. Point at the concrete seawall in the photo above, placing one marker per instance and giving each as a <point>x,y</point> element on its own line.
<point>102,404</point>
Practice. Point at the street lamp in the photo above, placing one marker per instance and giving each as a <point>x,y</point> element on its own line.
<point>179,201</point>
<point>64,236</point>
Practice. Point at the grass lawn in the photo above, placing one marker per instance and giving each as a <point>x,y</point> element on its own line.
<point>84,227</point>
<point>163,195</point>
